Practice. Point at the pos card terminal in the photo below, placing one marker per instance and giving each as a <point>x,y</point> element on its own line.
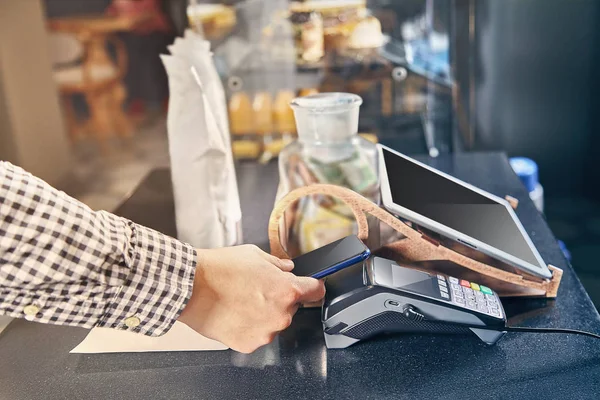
<point>379,296</point>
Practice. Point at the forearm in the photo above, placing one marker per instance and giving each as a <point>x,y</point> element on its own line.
<point>85,268</point>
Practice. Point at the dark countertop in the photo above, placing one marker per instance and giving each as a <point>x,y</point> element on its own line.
<point>34,359</point>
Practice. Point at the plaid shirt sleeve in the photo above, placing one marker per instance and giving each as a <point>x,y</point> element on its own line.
<point>62,263</point>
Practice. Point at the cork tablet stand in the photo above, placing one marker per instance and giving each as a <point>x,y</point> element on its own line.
<point>415,249</point>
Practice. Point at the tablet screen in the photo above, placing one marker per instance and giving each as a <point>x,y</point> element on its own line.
<point>455,206</point>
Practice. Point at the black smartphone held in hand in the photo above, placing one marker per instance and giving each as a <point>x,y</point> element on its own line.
<point>331,258</point>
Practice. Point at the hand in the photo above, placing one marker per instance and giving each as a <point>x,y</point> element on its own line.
<point>243,297</point>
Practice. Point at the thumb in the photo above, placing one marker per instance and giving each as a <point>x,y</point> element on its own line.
<point>282,264</point>
<point>311,289</point>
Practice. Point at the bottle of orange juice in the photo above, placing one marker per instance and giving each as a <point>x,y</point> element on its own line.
<point>240,114</point>
<point>283,115</point>
<point>284,126</point>
<point>262,107</point>
<point>245,143</point>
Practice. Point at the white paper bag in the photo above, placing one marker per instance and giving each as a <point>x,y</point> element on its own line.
<point>197,51</point>
<point>195,155</point>
<point>205,189</point>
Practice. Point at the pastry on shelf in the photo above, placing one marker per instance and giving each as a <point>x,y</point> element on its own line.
<point>361,33</point>
<point>339,18</point>
<point>212,18</point>
<point>308,36</point>
<point>366,34</point>
<point>333,12</point>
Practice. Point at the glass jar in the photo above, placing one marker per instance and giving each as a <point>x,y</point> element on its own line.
<point>328,150</point>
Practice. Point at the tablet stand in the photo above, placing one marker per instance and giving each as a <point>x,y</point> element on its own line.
<point>415,249</point>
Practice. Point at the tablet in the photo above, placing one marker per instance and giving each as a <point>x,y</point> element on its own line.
<point>468,219</point>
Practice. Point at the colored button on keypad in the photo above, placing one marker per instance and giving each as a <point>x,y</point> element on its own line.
<point>485,289</point>
<point>474,297</point>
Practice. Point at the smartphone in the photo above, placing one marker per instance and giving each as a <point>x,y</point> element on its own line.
<point>331,258</point>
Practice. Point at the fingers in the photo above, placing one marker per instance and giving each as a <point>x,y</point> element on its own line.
<point>311,289</point>
<point>284,265</point>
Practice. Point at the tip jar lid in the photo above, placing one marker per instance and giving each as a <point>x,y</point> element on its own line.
<point>327,102</point>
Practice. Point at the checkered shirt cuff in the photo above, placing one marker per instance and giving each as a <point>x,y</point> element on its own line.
<point>159,283</point>
<point>62,263</point>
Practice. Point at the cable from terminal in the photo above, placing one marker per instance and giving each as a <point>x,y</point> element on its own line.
<point>551,330</point>
<point>413,314</point>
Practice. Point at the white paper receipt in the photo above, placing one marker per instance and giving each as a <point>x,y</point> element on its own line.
<point>179,338</point>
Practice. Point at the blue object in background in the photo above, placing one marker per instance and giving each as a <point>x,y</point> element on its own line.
<point>527,170</point>
<point>564,249</point>
<point>427,61</point>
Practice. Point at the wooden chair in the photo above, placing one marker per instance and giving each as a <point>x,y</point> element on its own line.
<point>82,65</point>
